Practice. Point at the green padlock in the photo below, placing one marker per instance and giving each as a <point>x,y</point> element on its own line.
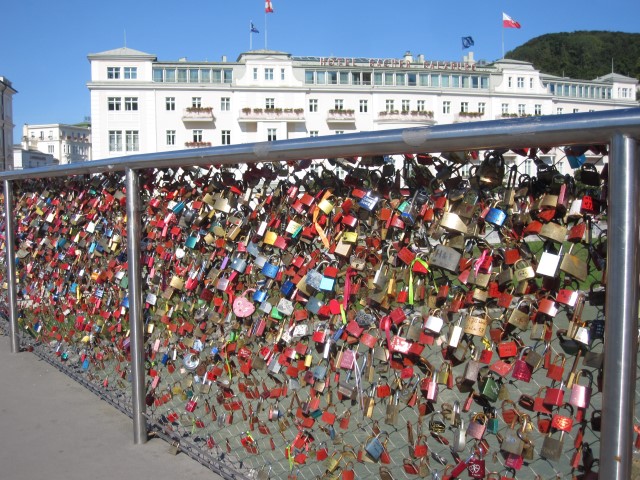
<point>489,389</point>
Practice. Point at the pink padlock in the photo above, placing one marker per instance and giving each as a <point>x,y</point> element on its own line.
<point>581,394</point>
<point>429,387</point>
<point>521,369</point>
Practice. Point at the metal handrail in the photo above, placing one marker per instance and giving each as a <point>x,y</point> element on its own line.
<point>618,128</point>
<point>551,130</point>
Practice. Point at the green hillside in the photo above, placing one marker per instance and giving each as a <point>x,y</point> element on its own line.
<point>582,54</point>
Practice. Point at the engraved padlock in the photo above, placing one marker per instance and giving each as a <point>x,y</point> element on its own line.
<point>552,447</point>
<point>477,426</point>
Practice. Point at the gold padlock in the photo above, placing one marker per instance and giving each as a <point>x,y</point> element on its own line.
<point>452,222</point>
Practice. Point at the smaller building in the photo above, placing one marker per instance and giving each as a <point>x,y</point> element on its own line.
<point>31,158</point>
<point>66,143</point>
<point>6,123</point>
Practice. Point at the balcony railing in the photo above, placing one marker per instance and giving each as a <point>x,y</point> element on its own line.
<point>271,115</point>
<point>341,116</point>
<point>197,144</point>
<point>469,116</point>
<point>198,114</point>
<point>421,117</point>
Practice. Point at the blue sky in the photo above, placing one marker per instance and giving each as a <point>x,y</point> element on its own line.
<point>44,45</point>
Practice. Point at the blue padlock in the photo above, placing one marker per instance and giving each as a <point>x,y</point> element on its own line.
<point>287,288</point>
<point>368,202</point>
<point>314,304</point>
<point>495,217</point>
<point>270,270</point>
<point>259,296</point>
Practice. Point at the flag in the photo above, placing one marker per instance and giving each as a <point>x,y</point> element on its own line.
<point>254,29</point>
<point>467,42</point>
<point>508,22</point>
<point>268,8</point>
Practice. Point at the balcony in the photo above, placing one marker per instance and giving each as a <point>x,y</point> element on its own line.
<point>421,117</point>
<point>291,115</point>
<point>341,116</point>
<point>462,117</point>
<point>198,114</point>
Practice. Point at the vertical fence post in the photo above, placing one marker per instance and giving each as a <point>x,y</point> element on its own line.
<point>136,323</point>
<point>10,250</point>
<point>621,310</point>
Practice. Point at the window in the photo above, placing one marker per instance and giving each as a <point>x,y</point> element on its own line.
<point>196,102</point>
<point>130,73</point>
<point>388,78</point>
<point>50,148</point>
<point>575,110</point>
<point>225,104</point>
<point>193,75</point>
<point>521,109</point>
<point>446,107</point>
<point>171,137</point>
<point>271,135</point>
<point>170,75</point>
<point>269,103</point>
<point>364,106</point>
<point>464,106</point>
<point>332,78</point>
<point>115,141</point>
<point>401,79</point>
<point>309,76</point>
<point>339,104</point>
<point>356,78</point>
<point>282,74</point>
<point>182,74</point>
<point>560,111</point>
<point>313,105</point>
<point>420,106</point>
<point>226,137</point>
<point>170,103</point>
<point>131,137</point>
<point>113,73</point>
<point>509,82</point>
<point>196,135</point>
<point>406,105</point>
<point>482,107</point>
<point>227,75</point>
<point>520,82</point>
<point>537,109</point>
<point>205,75</point>
<point>389,105</point>
<point>505,108</point>
<point>131,103</point>
<point>339,132</point>
<point>313,133</point>
<point>114,103</point>
<point>531,83</point>
<point>268,73</point>
<point>157,75</point>
<point>255,74</point>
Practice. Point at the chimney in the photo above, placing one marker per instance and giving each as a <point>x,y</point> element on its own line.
<point>224,58</point>
<point>469,58</point>
<point>407,56</point>
<point>420,58</point>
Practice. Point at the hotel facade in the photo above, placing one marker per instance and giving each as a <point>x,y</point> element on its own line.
<point>142,105</point>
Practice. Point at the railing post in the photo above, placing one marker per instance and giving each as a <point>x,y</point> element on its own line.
<point>621,310</point>
<point>10,250</point>
<point>136,324</point>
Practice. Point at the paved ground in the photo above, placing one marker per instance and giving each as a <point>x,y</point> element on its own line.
<point>53,428</point>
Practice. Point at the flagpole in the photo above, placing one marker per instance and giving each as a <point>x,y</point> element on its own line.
<point>250,35</point>
<point>503,42</point>
<point>265,29</point>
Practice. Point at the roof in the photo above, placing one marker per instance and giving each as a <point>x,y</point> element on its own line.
<point>121,52</point>
<point>616,77</point>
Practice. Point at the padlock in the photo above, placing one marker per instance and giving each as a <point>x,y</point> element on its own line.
<point>445,257</point>
<point>429,387</point>
<point>552,447</point>
<point>455,334</point>
<point>495,216</point>
<point>489,389</point>
<point>374,447</point>
<point>521,369</point>
<point>523,271</point>
<point>472,370</point>
<point>518,317</point>
<point>555,396</point>
<point>476,324</point>
<point>581,395</point>
<point>477,426</point>
<point>555,370</point>
<point>511,441</point>
<point>434,322</point>
<point>574,266</point>
<point>269,269</point>
<point>391,416</point>
<point>333,462</point>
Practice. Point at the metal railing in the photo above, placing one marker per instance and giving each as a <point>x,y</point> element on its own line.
<point>620,129</point>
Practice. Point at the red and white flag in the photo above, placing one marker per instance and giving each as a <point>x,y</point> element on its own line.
<point>268,8</point>
<point>508,22</point>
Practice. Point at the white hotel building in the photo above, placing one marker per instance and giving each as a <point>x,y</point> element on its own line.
<point>142,105</point>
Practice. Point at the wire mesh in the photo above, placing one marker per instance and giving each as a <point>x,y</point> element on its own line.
<point>214,392</point>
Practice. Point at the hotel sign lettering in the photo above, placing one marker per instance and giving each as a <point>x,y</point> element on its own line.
<point>395,63</point>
